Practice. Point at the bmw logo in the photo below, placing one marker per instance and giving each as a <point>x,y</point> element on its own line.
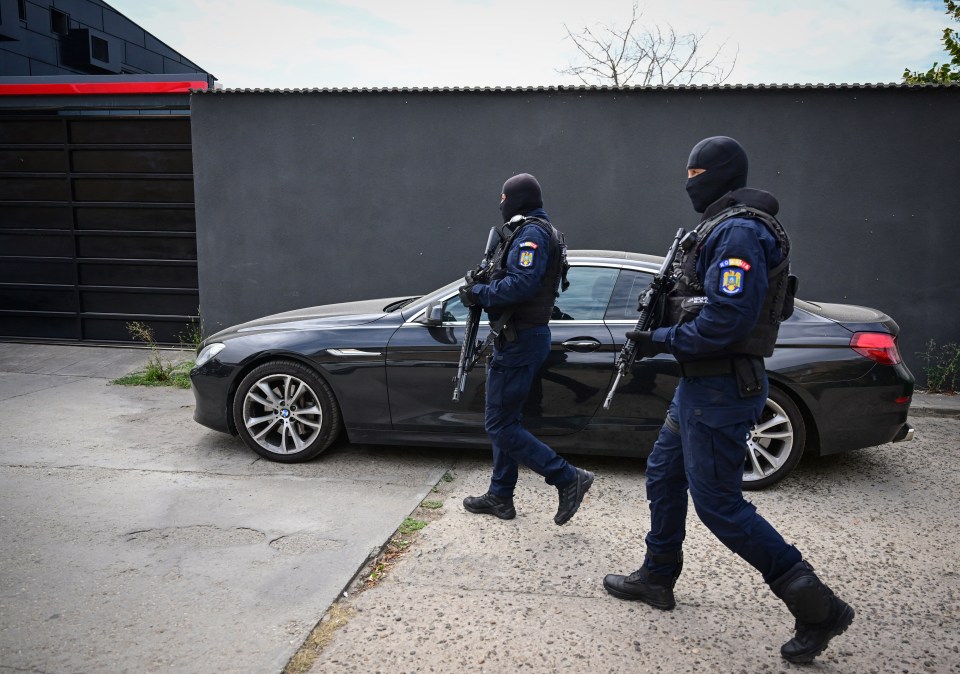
<point>284,413</point>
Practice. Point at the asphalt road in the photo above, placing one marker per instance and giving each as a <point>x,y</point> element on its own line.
<point>134,539</point>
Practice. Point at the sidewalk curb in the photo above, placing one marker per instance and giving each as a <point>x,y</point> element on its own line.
<point>935,405</point>
<point>941,412</point>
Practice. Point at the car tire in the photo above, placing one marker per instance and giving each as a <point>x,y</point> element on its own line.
<point>286,412</point>
<point>775,443</point>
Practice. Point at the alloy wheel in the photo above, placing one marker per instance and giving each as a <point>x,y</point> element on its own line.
<point>282,414</point>
<point>770,443</point>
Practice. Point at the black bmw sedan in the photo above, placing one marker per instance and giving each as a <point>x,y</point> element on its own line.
<point>380,371</point>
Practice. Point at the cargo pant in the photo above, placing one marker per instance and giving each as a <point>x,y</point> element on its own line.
<point>509,377</point>
<point>702,448</point>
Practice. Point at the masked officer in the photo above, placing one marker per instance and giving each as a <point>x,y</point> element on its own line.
<point>523,286</point>
<point>734,288</point>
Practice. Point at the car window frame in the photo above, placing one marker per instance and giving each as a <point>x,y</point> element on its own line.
<point>449,291</point>
<point>627,321</point>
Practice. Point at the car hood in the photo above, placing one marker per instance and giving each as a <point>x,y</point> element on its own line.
<point>311,318</point>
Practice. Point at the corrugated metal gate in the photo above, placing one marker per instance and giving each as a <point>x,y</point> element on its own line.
<point>97,227</point>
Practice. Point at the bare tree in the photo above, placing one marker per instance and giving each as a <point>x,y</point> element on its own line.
<point>645,56</point>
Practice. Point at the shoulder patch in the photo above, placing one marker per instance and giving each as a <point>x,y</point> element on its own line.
<point>731,280</point>
<point>526,257</point>
<point>528,244</point>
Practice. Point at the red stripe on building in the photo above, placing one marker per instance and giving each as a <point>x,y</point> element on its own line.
<point>72,88</point>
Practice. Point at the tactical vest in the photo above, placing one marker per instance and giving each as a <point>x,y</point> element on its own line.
<point>538,309</point>
<point>687,298</point>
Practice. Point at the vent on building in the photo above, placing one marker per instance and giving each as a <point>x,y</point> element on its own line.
<point>59,22</point>
<point>90,51</point>
<point>99,49</point>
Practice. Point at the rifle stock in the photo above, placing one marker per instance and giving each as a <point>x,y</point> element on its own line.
<point>661,284</point>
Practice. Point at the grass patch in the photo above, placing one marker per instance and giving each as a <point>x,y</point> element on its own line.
<point>303,660</point>
<point>410,525</point>
<point>159,371</point>
<point>177,376</point>
<point>432,505</point>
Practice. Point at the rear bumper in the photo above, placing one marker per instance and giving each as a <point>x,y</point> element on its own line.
<point>865,412</point>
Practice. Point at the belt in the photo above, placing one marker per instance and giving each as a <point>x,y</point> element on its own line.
<point>707,368</point>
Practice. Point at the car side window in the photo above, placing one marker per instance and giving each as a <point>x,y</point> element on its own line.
<point>587,297</point>
<point>623,304</point>
<point>454,311</point>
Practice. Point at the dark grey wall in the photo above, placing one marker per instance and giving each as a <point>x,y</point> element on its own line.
<point>309,198</point>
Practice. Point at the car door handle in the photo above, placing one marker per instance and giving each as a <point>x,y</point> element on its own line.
<point>581,345</point>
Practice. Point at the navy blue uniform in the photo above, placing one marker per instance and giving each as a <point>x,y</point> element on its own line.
<point>706,449</point>
<point>515,364</point>
<point>722,323</point>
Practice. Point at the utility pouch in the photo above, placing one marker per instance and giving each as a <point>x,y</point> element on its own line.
<point>505,330</point>
<point>792,284</point>
<point>750,374</point>
<point>509,332</point>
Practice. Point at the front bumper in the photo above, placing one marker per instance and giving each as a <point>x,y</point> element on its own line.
<point>211,384</point>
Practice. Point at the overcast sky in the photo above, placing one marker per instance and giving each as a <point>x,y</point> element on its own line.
<point>436,43</point>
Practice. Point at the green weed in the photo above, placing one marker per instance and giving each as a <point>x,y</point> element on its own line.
<point>410,525</point>
<point>158,370</point>
<point>942,366</point>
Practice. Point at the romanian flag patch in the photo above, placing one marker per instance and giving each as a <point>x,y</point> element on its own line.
<point>735,262</point>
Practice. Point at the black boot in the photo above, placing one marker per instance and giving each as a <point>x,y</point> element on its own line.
<point>491,504</point>
<point>820,614</point>
<point>571,495</point>
<point>651,588</point>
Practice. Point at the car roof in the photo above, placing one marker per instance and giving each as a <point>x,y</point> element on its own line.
<point>618,256</point>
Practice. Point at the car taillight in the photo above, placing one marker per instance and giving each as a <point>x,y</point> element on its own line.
<point>877,346</point>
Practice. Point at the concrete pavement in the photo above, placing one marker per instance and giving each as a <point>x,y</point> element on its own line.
<point>136,540</point>
<point>477,594</point>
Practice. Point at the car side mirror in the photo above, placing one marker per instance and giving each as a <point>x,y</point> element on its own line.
<point>433,316</point>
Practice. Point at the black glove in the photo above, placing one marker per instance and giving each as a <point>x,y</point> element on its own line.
<point>471,277</point>
<point>646,347</point>
<point>467,296</point>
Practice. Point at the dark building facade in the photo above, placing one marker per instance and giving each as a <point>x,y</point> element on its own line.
<point>306,198</point>
<point>80,37</point>
<point>97,225</point>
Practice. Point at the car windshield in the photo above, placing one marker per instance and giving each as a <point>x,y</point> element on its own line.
<point>411,309</point>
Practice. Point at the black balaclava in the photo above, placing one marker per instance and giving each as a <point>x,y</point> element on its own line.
<point>725,169</point>
<point>523,195</point>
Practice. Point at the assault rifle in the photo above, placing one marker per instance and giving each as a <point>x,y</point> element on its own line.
<point>472,349</point>
<point>661,284</point>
